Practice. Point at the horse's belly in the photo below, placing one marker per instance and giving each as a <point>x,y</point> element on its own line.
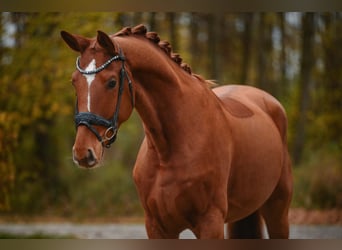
<point>256,166</point>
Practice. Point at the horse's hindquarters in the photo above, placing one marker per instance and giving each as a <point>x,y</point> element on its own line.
<point>258,149</point>
<point>255,170</point>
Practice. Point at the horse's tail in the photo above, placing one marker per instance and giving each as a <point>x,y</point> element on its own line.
<point>249,227</point>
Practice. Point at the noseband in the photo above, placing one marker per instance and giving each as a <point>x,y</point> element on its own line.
<point>89,119</point>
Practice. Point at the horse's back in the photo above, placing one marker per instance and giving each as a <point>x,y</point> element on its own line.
<point>258,123</point>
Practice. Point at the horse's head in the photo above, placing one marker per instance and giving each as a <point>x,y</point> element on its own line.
<point>104,92</point>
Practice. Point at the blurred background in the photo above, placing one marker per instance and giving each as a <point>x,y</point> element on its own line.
<point>297,57</point>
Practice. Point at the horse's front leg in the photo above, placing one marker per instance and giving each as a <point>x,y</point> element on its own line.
<point>210,225</point>
<point>155,230</point>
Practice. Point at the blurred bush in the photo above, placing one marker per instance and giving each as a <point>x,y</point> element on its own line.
<point>317,182</point>
<point>108,190</point>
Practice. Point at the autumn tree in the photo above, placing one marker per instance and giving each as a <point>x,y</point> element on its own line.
<point>328,95</point>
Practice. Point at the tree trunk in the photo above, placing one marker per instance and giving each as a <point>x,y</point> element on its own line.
<point>194,43</point>
<point>137,18</point>
<point>282,89</point>
<point>264,57</point>
<point>246,45</point>
<point>307,63</point>
<point>173,31</point>
<point>214,36</point>
<point>152,21</point>
<point>124,20</point>
<point>331,100</point>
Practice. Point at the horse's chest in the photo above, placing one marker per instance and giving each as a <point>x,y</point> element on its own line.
<point>177,202</point>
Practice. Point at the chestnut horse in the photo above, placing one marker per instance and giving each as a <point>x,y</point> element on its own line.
<point>209,157</point>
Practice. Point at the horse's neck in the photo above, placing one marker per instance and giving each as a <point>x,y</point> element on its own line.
<point>174,106</point>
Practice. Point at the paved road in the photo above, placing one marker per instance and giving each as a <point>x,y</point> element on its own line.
<point>137,231</point>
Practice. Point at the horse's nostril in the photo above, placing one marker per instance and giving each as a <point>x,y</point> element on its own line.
<point>91,158</point>
<point>90,154</point>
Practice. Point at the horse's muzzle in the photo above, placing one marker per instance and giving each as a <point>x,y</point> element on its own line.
<point>89,159</point>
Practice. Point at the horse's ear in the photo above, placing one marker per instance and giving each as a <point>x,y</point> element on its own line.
<point>75,42</point>
<point>104,40</point>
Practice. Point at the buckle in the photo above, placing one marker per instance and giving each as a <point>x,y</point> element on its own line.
<point>109,136</point>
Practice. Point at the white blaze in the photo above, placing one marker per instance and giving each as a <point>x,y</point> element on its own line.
<point>90,79</point>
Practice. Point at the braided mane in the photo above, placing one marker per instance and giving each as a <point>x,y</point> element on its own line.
<point>141,30</point>
<point>154,37</point>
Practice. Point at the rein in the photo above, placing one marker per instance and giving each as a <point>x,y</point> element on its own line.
<point>89,119</point>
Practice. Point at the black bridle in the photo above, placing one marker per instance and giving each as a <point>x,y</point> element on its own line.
<point>89,119</point>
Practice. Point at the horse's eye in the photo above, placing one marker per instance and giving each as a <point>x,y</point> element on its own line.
<point>111,83</point>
